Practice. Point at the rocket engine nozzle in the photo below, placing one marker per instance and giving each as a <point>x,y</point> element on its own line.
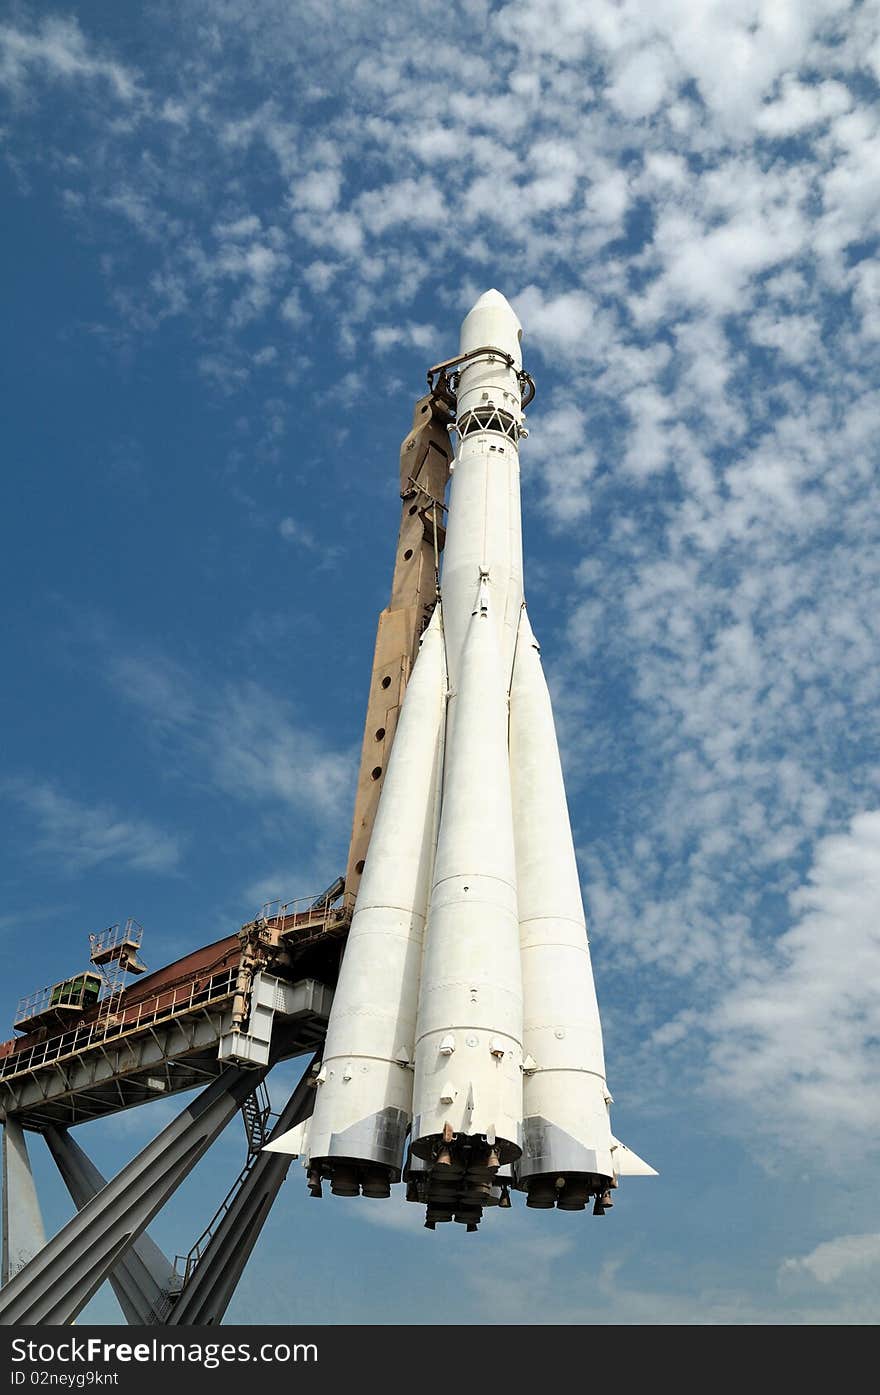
<point>457,1182</point>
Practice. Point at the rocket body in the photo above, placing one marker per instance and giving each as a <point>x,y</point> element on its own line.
<point>566,1126</point>
<point>363,1107</point>
<point>468,1067</point>
<point>484,530</point>
<point>466,1017</point>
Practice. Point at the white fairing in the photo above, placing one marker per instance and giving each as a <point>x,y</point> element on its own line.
<point>565,1111</point>
<point>364,1101</point>
<point>490,324</point>
<point>469,1047</point>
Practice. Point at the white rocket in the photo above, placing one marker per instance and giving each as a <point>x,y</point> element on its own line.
<point>465,1018</point>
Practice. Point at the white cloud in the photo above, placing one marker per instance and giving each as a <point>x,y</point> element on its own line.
<point>642,82</point>
<point>801,105</point>
<point>405,203</point>
<point>226,373</point>
<point>395,1214</point>
<point>80,837</point>
<point>410,335</point>
<point>58,48</point>
<point>318,191</point>
<point>248,226</point>
<point>711,268</point>
<point>608,199</point>
<point>566,464</point>
<point>798,1035</point>
<point>339,233</point>
<point>248,741</point>
<point>293,531</point>
<point>795,337</point>
<point>292,310</point>
<point>318,276</point>
<point>561,323</point>
<point>848,1255</point>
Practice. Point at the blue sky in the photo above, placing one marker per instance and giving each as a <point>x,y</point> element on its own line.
<point>235,236</point>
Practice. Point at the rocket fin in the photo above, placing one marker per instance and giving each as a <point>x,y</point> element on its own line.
<point>293,1142</point>
<point>629,1164</point>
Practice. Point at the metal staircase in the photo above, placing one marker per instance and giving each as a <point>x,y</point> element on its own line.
<point>258,1116</point>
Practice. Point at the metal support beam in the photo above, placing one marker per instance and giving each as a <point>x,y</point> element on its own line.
<point>208,1293</point>
<point>23,1233</point>
<point>60,1280</point>
<point>425,456</point>
<point>142,1278</point>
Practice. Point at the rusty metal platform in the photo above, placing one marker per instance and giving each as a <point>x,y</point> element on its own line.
<point>163,1033</point>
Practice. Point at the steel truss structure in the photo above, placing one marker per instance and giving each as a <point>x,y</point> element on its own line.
<point>50,1282</point>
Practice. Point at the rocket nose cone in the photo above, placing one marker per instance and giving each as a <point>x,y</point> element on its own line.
<point>492,321</point>
<point>493,297</point>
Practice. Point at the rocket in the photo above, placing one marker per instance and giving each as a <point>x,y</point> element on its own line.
<point>464,1049</point>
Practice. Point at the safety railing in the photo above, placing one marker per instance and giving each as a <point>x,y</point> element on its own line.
<point>258,1118</point>
<point>305,915</point>
<point>186,1265</point>
<point>34,1004</point>
<point>115,936</point>
<point>174,1002</point>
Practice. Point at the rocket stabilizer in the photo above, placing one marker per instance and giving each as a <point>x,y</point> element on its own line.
<point>629,1164</point>
<point>293,1142</point>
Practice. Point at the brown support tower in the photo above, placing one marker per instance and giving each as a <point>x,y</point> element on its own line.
<point>425,456</point>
